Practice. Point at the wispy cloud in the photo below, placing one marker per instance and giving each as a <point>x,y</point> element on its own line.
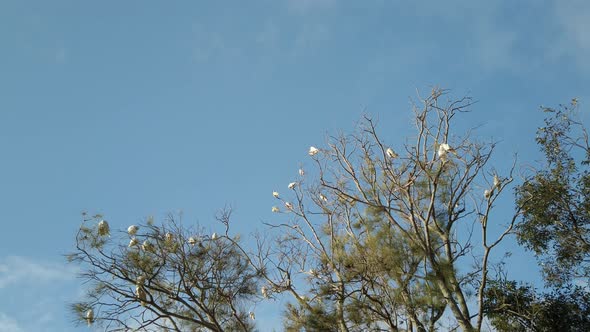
<point>573,17</point>
<point>41,289</point>
<point>309,38</point>
<point>492,42</point>
<point>9,324</point>
<point>16,269</point>
<point>61,55</point>
<point>305,6</point>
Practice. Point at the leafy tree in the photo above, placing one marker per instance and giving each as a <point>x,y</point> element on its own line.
<point>375,239</point>
<point>555,220</point>
<point>167,277</point>
<point>382,239</point>
<point>514,307</point>
<point>556,199</point>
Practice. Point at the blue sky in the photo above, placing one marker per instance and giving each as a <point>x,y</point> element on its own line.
<point>138,108</point>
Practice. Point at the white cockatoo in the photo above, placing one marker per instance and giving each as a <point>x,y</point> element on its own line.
<point>275,194</point>
<point>497,181</point>
<point>132,242</point>
<point>192,241</point>
<point>147,246</point>
<point>275,209</point>
<point>289,205</point>
<point>390,153</point>
<point>141,294</point>
<point>132,230</point>
<point>313,150</point>
<point>487,193</point>
<point>252,316</point>
<point>168,237</point>
<point>140,280</point>
<point>442,150</point>
<point>303,298</point>
<point>264,292</point>
<point>292,185</point>
<point>323,198</point>
<point>89,316</point>
<point>103,228</point>
<point>301,172</point>
<point>214,236</point>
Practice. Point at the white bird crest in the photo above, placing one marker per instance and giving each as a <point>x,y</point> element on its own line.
<point>103,228</point>
<point>132,230</point>
<point>313,150</point>
<point>390,153</point>
<point>90,316</point>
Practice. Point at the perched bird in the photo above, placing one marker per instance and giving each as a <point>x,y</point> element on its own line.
<point>390,153</point>
<point>214,236</point>
<point>264,292</point>
<point>323,198</point>
<point>292,185</point>
<point>252,316</point>
<point>443,149</point>
<point>311,272</point>
<point>147,246</point>
<point>497,181</point>
<point>132,242</point>
<point>141,294</point>
<point>275,209</point>
<point>275,194</point>
<point>168,237</point>
<point>103,228</point>
<point>301,172</point>
<point>192,241</point>
<point>313,150</point>
<point>89,316</point>
<point>303,298</point>
<point>132,230</point>
<point>140,280</point>
<point>289,205</point>
<point>487,193</point>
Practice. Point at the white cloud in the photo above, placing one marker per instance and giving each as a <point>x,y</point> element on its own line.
<point>9,324</point>
<point>269,35</point>
<point>16,269</point>
<point>309,38</point>
<point>573,17</point>
<point>61,55</point>
<point>304,6</point>
<point>495,48</point>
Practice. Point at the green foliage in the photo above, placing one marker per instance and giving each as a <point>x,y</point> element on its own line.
<point>556,200</point>
<point>382,243</point>
<point>518,307</point>
<point>171,284</point>
<point>314,317</point>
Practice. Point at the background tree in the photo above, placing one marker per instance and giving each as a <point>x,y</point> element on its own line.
<point>555,200</point>
<point>555,220</point>
<point>168,277</point>
<point>514,307</point>
<point>383,238</point>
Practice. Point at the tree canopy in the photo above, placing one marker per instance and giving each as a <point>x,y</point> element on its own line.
<point>556,222</point>
<point>374,236</point>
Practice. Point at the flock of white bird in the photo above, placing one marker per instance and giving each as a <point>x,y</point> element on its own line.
<point>104,230</point>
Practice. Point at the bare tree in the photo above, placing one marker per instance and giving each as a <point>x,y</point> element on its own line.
<point>383,239</point>
<point>169,277</point>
